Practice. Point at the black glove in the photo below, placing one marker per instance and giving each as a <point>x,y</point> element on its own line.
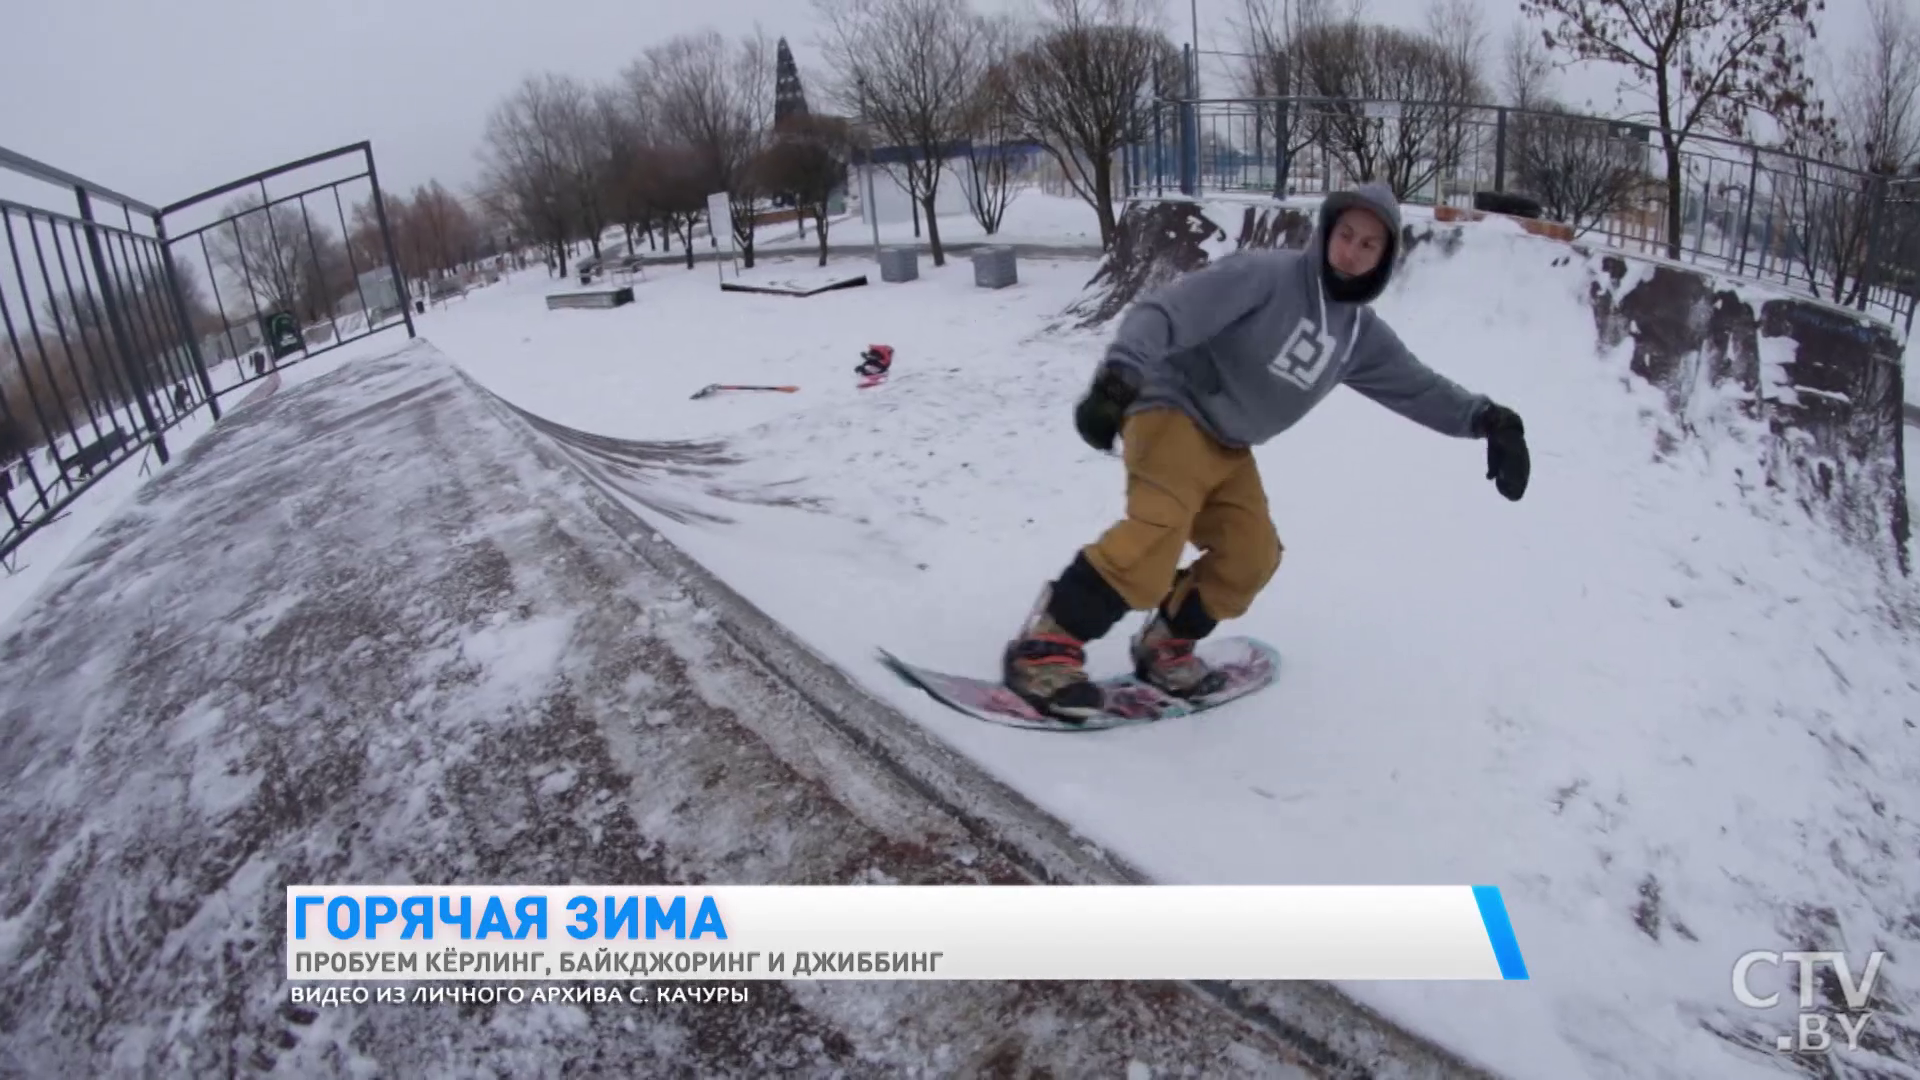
<point>1104,407</point>
<point>1508,465</point>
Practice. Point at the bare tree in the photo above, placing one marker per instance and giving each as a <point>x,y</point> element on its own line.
<point>716,101</point>
<point>622,137</point>
<point>754,81</point>
<point>1847,155</point>
<point>674,182</point>
<point>1392,102</point>
<point>524,167</point>
<point>643,129</point>
<point>1574,165</point>
<point>1269,34</point>
<point>83,310</point>
<point>504,235</point>
<point>1458,29</point>
<point>1264,31</point>
<point>908,69</point>
<point>1526,71</point>
<point>280,259</point>
<point>1079,87</point>
<point>583,157</point>
<point>75,328</point>
<point>365,242</point>
<point>443,233</point>
<point>994,129</point>
<point>808,160</point>
<point>1702,65</point>
<point>1878,114</point>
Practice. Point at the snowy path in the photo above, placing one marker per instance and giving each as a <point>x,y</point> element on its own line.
<point>367,632</point>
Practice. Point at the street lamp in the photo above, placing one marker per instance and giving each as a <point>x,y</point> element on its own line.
<point>866,168</point>
<point>1193,77</point>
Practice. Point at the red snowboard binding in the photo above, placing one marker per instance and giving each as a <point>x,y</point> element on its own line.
<point>874,365</point>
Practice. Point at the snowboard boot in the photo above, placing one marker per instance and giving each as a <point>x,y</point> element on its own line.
<point>1163,655</point>
<point>1047,667</point>
<point>1046,663</point>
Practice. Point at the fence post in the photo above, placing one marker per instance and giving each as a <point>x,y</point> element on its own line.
<point>116,321</point>
<point>1746,213</point>
<point>1159,144</point>
<point>180,312</point>
<point>1706,205</point>
<point>1863,280</point>
<point>1500,150</point>
<point>386,240</point>
<point>1189,132</point>
<point>1282,133</point>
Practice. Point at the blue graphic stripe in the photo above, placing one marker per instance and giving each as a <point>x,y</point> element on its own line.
<point>1506,947</point>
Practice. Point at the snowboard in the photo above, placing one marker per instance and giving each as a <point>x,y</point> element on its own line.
<point>1249,665</point>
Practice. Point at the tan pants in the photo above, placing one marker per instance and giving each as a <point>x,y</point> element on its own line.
<point>1183,486</point>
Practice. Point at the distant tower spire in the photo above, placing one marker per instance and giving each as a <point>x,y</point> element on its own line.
<point>789,100</point>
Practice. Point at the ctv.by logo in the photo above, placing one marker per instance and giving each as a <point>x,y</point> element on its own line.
<point>1810,1035</point>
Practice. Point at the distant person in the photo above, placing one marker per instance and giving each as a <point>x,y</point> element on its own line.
<point>1199,372</point>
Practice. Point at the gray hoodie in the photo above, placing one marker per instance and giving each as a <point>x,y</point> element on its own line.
<point>1248,345</point>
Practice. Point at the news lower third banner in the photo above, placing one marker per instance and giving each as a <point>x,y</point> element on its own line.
<point>901,932</point>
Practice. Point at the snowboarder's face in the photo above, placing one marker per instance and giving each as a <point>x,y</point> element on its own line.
<point>1357,242</point>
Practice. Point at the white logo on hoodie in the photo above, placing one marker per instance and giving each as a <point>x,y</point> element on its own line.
<point>1309,349</point>
<point>1305,356</point>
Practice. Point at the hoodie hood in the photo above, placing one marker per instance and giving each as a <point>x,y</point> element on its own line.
<point>1378,199</point>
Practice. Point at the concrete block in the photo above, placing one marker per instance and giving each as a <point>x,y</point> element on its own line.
<point>995,268</point>
<point>899,264</point>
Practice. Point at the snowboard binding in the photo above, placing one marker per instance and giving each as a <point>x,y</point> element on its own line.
<point>876,361</point>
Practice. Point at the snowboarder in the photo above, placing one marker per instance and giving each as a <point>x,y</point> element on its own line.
<point>1198,373</point>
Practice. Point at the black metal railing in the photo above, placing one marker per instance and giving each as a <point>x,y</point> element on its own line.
<point>1839,234</point>
<point>109,337</point>
<point>280,278</point>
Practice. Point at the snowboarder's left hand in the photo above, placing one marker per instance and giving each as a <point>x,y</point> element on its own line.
<point>1104,407</point>
<point>1508,464</point>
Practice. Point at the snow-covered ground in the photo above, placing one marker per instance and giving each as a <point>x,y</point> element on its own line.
<point>1633,699</point>
<point>1674,721</point>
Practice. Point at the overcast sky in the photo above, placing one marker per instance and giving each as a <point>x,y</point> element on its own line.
<point>160,99</point>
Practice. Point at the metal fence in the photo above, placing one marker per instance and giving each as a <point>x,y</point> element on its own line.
<point>112,336</point>
<point>1846,236</point>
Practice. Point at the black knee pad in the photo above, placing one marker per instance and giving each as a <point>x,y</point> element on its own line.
<point>1083,603</point>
